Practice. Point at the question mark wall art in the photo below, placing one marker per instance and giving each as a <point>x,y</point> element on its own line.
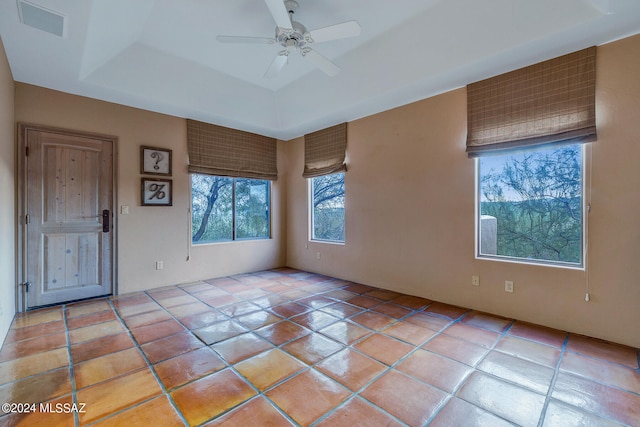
<point>155,191</point>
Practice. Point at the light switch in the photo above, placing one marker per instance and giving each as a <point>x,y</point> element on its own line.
<point>124,210</point>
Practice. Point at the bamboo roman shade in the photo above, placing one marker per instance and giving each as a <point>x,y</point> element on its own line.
<point>217,150</point>
<point>325,151</point>
<point>552,102</point>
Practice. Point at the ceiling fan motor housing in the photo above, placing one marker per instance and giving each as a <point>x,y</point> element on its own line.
<point>297,34</point>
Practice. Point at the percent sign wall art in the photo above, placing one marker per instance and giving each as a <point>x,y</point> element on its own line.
<point>156,191</point>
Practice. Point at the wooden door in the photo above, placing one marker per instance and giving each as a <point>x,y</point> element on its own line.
<point>69,236</point>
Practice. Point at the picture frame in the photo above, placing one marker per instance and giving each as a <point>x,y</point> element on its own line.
<point>155,161</point>
<point>156,192</point>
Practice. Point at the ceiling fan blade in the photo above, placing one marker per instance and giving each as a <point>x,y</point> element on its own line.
<point>321,62</point>
<point>277,64</point>
<point>334,32</point>
<point>245,40</point>
<point>279,13</point>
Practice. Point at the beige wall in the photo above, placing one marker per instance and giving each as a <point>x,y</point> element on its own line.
<point>150,234</point>
<point>7,196</point>
<point>410,213</point>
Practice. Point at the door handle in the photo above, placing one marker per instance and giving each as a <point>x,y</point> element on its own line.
<point>105,220</point>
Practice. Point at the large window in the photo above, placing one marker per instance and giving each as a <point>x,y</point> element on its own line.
<point>224,209</point>
<point>531,206</point>
<point>327,208</point>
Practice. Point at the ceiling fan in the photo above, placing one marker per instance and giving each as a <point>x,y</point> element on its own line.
<point>293,36</point>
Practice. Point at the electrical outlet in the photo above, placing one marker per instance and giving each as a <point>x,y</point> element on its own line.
<point>508,286</point>
<point>159,265</point>
<point>124,210</point>
<point>475,280</point>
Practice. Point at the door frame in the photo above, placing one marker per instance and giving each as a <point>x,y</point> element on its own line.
<point>21,229</point>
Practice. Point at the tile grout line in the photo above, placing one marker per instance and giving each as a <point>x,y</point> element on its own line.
<point>72,376</point>
<point>151,369</point>
<point>552,385</point>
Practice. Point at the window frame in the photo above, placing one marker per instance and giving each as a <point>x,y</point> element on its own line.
<point>234,237</point>
<point>585,172</point>
<point>310,212</point>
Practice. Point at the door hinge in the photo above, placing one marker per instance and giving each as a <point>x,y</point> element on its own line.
<point>26,219</point>
<point>26,151</point>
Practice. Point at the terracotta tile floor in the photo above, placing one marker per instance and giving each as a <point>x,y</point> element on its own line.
<point>285,347</point>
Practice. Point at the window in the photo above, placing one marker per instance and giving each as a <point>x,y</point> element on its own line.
<point>531,205</point>
<point>327,210</point>
<point>224,209</point>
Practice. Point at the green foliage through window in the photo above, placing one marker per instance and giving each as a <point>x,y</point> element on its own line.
<point>534,200</point>
<point>327,213</point>
<point>224,209</point>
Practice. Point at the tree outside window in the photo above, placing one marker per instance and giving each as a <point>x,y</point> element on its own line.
<point>327,210</point>
<point>531,205</point>
<point>224,209</point>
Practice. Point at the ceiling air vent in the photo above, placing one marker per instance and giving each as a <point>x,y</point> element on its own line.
<point>41,18</point>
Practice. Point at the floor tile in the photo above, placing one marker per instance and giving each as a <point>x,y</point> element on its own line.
<point>200,320</point>
<point>34,331</point>
<point>107,367</point>
<point>358,288</point>
<point>315,301</point>
<point>290,309</point>
<point>269,301</point>
<point>90,319</point>
<point>382,294</point>
<point>241,347</point>
<point>472,334</point>
<point>148,318</point>
<point>269,368</point>
<point>138,309</point>
<point>392,310</point>
<point>446,310</point>
<point>383,348</point>
<point>148,333</point>
<point>457,349</point>
<point>37,388</point>
<point>92,332</point>
<point>177,300</point>
<point>552,337</point>
<point>314,320</point>
<point>372,320</point>
<point>312,348</point>
<point>42,418</point>
<point>412,302</point>
<point>529,350</point>
<point>282,332</point>
<point>598,398</point>
<point>100,347</point>
<point>308,396</point>
<point>239,309</point>
<point>409,333</point>
<point>501,398</point>
<point>188,309</point>
<point>345,332</point>
<point>157,412</point>
<point>429,321</point>
<point>443,373</point>
<point>341,310</point>
<point>219,331</point>
<point>31,346</point>
<point>89,307</point>
<point>405,398</point>
<point>457,412</point>
<point>339,295</point>
<point>23,367</point>
<point>487,321</point>
<point>351,369</point>
<point>111,396</point>
<point>619,376</point>
<point>357,412</point>
<point>522,372</point>
<point>603,350</point>
<point>165,348</point>
<point>560,415</point>
<point>256,412</point>
<point>363,301</point>
<point>188,367</point>
<point>37,317</point>
<point>210,396</point>
<point>257,319</point>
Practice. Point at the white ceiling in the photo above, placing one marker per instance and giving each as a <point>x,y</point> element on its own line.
<point>162,55</point>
